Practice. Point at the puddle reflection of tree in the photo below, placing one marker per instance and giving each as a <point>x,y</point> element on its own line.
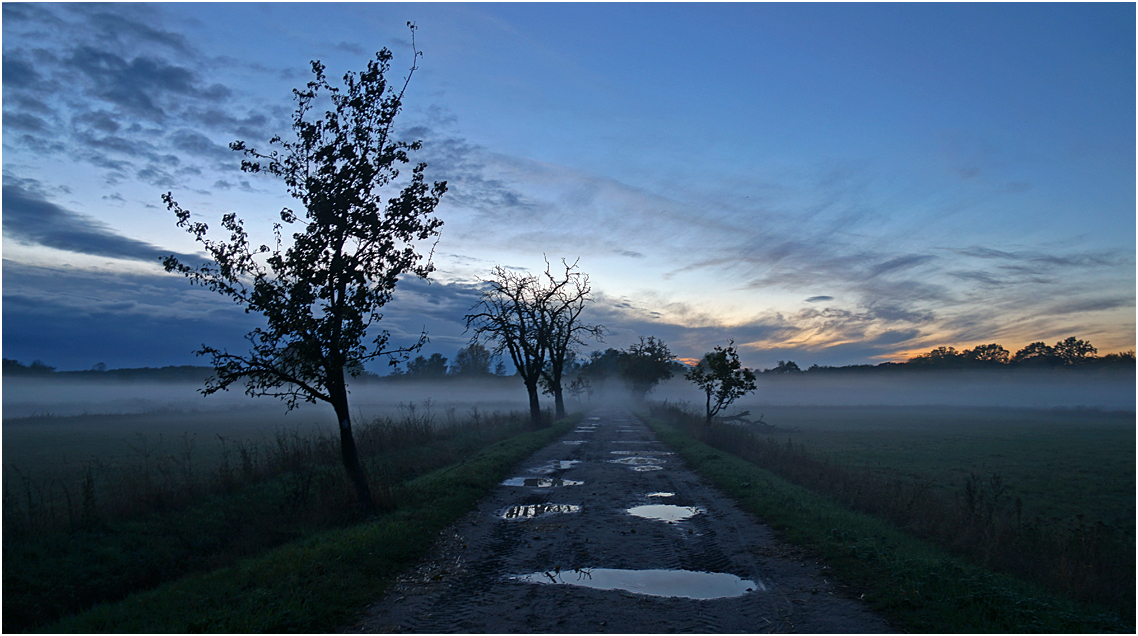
<point>536,510</point>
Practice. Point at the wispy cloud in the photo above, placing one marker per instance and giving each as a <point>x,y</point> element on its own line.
<point>32,219</point>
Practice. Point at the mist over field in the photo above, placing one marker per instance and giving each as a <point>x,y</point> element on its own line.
<point>1108,390</point>
<point>32,396</point>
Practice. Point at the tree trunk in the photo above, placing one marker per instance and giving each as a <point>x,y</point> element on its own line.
<point>558,401</point>
<point>534,407</point>
<point>709,407</point>
<point>349,454</point>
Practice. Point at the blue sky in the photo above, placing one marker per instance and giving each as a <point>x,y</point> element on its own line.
<point>827,183</point>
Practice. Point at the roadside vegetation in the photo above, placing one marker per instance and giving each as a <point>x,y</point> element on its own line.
<point>932,559</point>
<point>162,519</point>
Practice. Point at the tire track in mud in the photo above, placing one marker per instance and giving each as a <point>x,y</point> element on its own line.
<point>483,573</point>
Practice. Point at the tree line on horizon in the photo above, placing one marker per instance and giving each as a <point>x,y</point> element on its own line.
<point>476,361</point>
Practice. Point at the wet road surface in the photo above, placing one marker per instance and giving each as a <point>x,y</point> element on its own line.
<point>607,531</point>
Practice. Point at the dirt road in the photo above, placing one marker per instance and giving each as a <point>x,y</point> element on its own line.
<point>606,531</point>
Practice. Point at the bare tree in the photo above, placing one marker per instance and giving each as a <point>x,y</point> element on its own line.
<point>565,329</point>
<point>321,295</point>
<point>511,317</point>
<point>537,320</point>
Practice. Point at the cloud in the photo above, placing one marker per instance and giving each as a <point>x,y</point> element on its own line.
<point>32,219</point>
<point>106,85</point>
<point>899,263</point>
<point>73,319</point>
<point>818,299</point>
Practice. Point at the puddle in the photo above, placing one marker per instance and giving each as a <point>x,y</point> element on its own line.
<point>538,510</point>
<point>632,441</point>
<point>645,469</point>
<point>564,464</point>
<point>668,583</point>
<point>593,419</point>
<point>637,461</point>
<point>661,494</point>
<point>662,512</point>
<point>540,482</point>
<point>644,453</point>
<point>574,442</point>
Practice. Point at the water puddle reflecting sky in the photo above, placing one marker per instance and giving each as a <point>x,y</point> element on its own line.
<point>538,510</point>
<point>637,461</point>
<point>661,512</point>
<point>667,583</point>
<point>545,469</point>
<point>540,482</point>
<point>646,469</point>
<point>661,494</point>
<point>639,452</point>
<point>574,442</point>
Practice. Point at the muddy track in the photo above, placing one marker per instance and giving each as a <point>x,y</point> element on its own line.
<point>524,561</point>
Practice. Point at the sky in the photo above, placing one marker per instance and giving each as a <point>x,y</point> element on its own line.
<point>826,183</point>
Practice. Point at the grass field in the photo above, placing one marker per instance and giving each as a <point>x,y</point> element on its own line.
<point>1061,463</point>
<point>1045,495</point>
<point>917,585</point>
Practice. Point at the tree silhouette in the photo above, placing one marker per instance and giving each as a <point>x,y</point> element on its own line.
<point>564,327</point>
<point>322,293</point>
<point>987,355</point>
<point>646,364</point>
<point>427,368</point>
<point>1073,351</point>
<point>536,319</point>
<point>1035,354</point>
<point>722,378</point>
<point>785,366</point>
<point>472,361</point>
<point>511,315</point>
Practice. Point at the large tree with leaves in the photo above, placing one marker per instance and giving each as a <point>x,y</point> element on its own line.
<point>645,364</point>
<point>359,231</point>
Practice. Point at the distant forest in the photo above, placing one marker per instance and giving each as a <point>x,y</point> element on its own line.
<point>476,361</point>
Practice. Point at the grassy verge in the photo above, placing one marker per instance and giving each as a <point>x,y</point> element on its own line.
<point>914,584</point>
<point>322,581</point>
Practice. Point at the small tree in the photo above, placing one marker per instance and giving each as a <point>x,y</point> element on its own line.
<point>646,364</point>
<point>987,355</point>
<point>321,295</point>
<point>1073,351</point>
<point>427,368</point>
<point>472,361</point>
<point>722,378</point>
<point>785,366</point>
<point>1035,354</point>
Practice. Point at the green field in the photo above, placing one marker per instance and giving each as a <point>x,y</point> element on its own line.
<point>1061,463</point>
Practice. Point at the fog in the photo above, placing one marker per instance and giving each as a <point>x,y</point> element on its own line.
<point>1107,390</point>
<point>1111,390</point>
<point>60,397</point>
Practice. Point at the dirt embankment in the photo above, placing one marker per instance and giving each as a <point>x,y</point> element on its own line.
<point>605,531</point>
